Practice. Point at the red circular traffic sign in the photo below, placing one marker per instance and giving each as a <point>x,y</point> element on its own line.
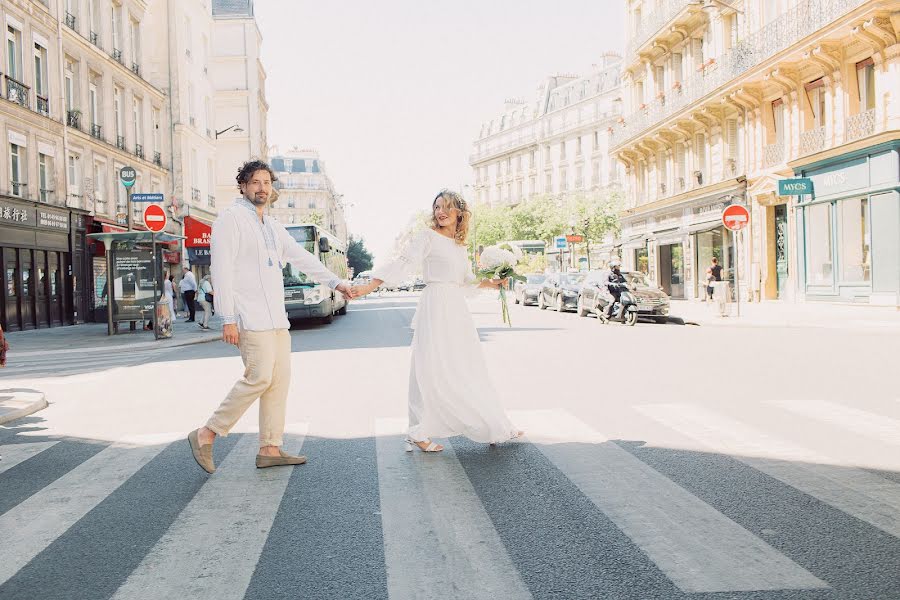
<point>155,217</point>
<point>735,217</point>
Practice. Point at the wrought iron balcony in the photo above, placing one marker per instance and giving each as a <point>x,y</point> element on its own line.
<point>139,151</point>
<point>17,92</point>
<point>859,126</point>
<point>120,142</point>
<point>802,20</point>
<point>136,69</point>
<point>70,20</point>
<point>210,200</point>
<point>17,188</point>
<point>73,119</point>
<point>157,159</point>
<point>652,23</point>
<point>195,194</point>
<point>812,141</point>
<point>43,105</point>
<point>117,56</point>
<point>773,155</point>
<point>97,131</point>
<point>95,38</point>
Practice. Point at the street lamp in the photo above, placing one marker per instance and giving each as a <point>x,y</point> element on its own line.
<point>237,129</point>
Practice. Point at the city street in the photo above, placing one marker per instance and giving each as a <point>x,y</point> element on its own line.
<point>660,462</point>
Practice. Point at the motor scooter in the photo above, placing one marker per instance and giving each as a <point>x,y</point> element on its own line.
<point>624,310</point>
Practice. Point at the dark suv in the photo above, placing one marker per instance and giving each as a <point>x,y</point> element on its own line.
<point>560,290</point>
<point>526,292</point>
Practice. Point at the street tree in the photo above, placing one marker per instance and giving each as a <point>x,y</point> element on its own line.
<point>358,257</point>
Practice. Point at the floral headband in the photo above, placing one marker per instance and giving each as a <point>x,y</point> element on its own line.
<point>451,195</point>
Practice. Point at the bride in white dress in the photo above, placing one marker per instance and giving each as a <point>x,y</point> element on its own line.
<point>450,389</point>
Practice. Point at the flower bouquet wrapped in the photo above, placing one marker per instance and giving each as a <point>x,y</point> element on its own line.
<point>499,262</point>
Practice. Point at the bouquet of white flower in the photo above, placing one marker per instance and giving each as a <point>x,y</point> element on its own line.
<point>499,262</point>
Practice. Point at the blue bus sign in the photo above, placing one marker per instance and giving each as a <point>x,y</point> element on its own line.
<point>795,187</point>
<point>158,198</point>
<point>561,243</point>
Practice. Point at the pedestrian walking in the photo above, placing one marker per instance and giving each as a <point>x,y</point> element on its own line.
<point>450,388</point>
<point>249,246</point>
<point>713,274</point>
<point>206,301</point>
<point>188,287</point>
<point>169,295</point>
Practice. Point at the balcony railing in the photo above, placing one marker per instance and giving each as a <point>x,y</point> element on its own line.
<point>139,151</point>
<point>97,131</point>
<point>652,23</point>
<point>117,56</point>
<point>804,19</point>
<point>95,38</point>
<point>860,126</point>
<point>195,194</point>
<point>73,119</point>
<point>70,20</point>
<point>17,188</point>
<point>493,149</point>
<point>136,69</point>
<point>45,195</point>
<point>773,155</point>
<point>210,200</point>
<point>812,141</point>
<point>43,105</point>
<point>120,142</point>
<point>17,92</point>
<point>157,159</point>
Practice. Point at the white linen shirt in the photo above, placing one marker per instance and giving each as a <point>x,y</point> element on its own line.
<point>247,270</point>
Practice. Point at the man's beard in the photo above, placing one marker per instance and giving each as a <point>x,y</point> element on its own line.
<point>258,200</point>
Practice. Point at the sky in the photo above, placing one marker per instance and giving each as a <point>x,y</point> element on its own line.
<point>392,93</point>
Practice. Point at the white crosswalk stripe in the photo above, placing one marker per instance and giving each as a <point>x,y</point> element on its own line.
<point>878,427</point>
<point>427,502</point>
<point>699,548</point>
<point>215,543</point>
<point>38,521</point>
<point>68,364</point>
<point>13,454</point>
<point>857,492</point>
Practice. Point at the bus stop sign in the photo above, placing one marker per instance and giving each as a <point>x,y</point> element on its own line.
<point>735,217</point>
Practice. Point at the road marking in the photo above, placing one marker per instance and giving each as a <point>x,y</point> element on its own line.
<point>696,546</point>
<point>884,429</point>
<point>13,454</point>
<point>859,493</point>
<point>213,547</point>
<point>437,535</point>
<point>36,522</point>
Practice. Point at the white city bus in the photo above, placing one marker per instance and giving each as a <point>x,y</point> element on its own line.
<point>303,297</point>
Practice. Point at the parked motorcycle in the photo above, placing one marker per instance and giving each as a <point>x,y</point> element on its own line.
<point>624,311</point>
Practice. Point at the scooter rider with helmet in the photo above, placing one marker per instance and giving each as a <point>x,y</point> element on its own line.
<point>614,285</point>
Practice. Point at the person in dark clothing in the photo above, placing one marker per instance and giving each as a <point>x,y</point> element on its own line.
<point>713,274</point>
<point>614,285</point>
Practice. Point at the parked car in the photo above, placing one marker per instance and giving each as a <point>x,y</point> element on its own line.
<point>560,290</point>
<point>526,292</point>
<point>653,303</point>
<point>405,286</point>
<point>418,285</point>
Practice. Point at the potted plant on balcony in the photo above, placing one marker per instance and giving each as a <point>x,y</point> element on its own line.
<point>660,95</point>
<point>676,86</point>
<point>643,106</point>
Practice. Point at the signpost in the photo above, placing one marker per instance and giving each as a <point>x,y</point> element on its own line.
<point>154,218</point>
<point>735,218</point>
<point>795,187</point>
<point>155,221</point>
<point>575,239</point>
<point>158,198</point>
<point>128,176</point>
<point>561,245</point>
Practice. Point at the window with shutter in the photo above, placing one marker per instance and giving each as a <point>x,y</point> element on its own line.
<point>700,153</point>
<point>731,138</point>
<point>681,161</point>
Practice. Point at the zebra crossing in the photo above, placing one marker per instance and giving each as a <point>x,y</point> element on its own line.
<point>77,363</point>
<point>566,513</point>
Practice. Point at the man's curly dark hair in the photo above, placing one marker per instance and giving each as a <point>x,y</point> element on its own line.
<point>249,168</point>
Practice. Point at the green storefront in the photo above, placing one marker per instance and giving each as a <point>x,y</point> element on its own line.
<point>849,231</point>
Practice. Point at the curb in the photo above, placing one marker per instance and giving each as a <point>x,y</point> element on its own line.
<point>21,404</point>
<point>136,346</point>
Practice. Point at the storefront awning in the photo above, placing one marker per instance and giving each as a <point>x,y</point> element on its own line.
<point>196,232</point>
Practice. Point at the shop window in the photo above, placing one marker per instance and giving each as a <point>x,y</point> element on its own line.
<point>819,245</point>
<point>855,240</point>
<point>12,276</point>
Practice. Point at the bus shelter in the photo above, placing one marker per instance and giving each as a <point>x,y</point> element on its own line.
<point>134,285</point>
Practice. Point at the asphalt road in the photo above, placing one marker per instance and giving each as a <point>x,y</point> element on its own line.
<point>661,462</point>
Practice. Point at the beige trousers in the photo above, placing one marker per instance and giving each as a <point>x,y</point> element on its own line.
<point>267,376</point>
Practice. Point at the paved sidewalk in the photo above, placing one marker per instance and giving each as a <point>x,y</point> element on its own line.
<point>78,338</point>
<point>16,403</point>
<point>777,314</point>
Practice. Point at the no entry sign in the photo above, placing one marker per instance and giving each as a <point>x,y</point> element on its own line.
<point>735,217</point>
<point>155,218</point>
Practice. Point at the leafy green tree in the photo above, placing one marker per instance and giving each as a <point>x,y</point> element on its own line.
<point>358,257</point>
<point>315,217</point>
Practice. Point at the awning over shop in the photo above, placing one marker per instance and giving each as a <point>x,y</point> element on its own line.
<point>199,257</point>
<point>196,233</point>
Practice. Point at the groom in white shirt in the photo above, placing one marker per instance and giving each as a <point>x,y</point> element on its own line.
<point>249,250</point>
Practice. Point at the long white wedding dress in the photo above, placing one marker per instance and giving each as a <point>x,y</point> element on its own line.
<point>450,390</point>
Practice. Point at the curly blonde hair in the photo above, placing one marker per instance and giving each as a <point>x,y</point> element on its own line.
<point>451,199</point>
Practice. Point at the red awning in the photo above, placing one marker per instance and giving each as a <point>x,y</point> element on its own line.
<point>197,232</point>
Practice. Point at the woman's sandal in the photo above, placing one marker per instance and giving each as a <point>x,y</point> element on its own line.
<point>431,447</point>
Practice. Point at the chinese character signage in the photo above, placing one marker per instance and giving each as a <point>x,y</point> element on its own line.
<point>41,218</point>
